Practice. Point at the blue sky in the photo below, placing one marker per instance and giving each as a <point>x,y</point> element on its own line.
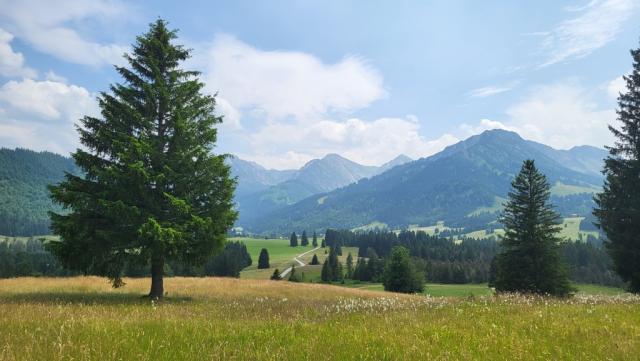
<point>300,79</point>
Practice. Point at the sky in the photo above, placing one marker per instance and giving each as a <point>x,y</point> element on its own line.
<point>296,80</point>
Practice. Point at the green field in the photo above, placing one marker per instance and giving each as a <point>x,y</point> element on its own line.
<point>280,255</point>
<point>233,319</point>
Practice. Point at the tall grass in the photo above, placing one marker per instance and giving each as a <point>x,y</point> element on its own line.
<point>225,319</point>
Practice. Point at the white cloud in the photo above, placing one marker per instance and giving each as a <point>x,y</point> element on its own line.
<point>11,62</point>
<point>41,115</point>
<point>561,115</point>
<point>492,90</point>
<point>616,86</point>
<point>49,27</point>
<point>48,99</point>
<point>51,75</point>
<point>597,24</point>
<point>286,83</point>
<point>367,142</point>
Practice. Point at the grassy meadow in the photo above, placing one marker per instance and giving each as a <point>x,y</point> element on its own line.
<point>225,319</point>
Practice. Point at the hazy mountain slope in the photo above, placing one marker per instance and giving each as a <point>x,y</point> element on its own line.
<point>24,198</point>
<point>317,176</point>
<point>252,177</point>
<point>451,185</point>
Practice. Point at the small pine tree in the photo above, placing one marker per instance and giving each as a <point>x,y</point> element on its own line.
<point>263,259</point>
<point>529,261</point>
<point>323,244</point>
<point>314,260</point>
<point>304,240</point>
<point>314,241</point>
<point>400,275</point>
<point>293,275</point>
<point>325,274</point>
<point>293,240</point>
<point>349,274</point>
<point>276,275</point>
<point>618,205</point>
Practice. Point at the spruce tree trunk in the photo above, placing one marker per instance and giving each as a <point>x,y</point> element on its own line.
<point>157,273</point>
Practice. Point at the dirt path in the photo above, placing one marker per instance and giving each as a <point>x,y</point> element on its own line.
<point>300,263</point>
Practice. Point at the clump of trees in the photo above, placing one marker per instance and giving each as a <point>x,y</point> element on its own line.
<point>400,275</point>
<point>618,206</point>
<point>263,259</point>
<point>332,268</point>
<point>228,263</point>
<point>530,259</point>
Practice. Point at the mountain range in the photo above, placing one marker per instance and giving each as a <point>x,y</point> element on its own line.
<point>464,185</point>
<point>258,194</point>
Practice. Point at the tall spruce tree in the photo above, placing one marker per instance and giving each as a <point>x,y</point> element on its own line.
<point>618,206</point>
<point>349,266</point>
<point>314,241</point>
<point>529,261</point>
<point>293,240</point>
<point>263,259</point>
<point>152,190</point>
<point>304,240</point>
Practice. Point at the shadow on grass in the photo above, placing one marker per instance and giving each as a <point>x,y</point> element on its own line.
<point>85,298</point>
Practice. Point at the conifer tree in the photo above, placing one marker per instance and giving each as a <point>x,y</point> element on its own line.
<point>529,261</point>
<point>332,268</point>
<point>618,206</point>
<point>314,241</point>
<point>293,240</point>
<point>151,189</point>
<point>276,275</point>
<point>314,260</point>
<point>349,266</point>
<point>304,240</point>
<point>323,244</point>
<point>400,275</point>
<point>263,259</point>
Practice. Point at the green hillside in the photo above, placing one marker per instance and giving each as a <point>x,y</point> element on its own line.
<point>24,199</point>
<point>462,185</point>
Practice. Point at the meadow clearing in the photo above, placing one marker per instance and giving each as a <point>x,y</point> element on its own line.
<point>83,318</point>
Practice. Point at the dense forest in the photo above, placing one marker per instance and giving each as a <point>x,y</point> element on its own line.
<point>19,257</point>
<point>465,261</point>
<point>24,198</point>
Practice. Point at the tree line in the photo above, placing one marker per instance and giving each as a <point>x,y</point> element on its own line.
<point>31,258</point>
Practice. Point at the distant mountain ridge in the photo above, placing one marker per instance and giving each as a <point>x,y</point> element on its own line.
<point>459,185</point>
<point>316,176</point>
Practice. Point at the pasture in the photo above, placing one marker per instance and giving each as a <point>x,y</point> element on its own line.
<point>229,319</point>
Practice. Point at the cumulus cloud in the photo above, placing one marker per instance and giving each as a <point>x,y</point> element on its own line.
<point>11,62</point>
<point>41,115</point>
<point>616,86</point>
<point>48,26</point>
<point>286,83</point>
<point>367,142</point>
<point>596,24</point>
<point>562,115</point>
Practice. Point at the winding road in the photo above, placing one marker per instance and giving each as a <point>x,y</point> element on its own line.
<point>300,263</point>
